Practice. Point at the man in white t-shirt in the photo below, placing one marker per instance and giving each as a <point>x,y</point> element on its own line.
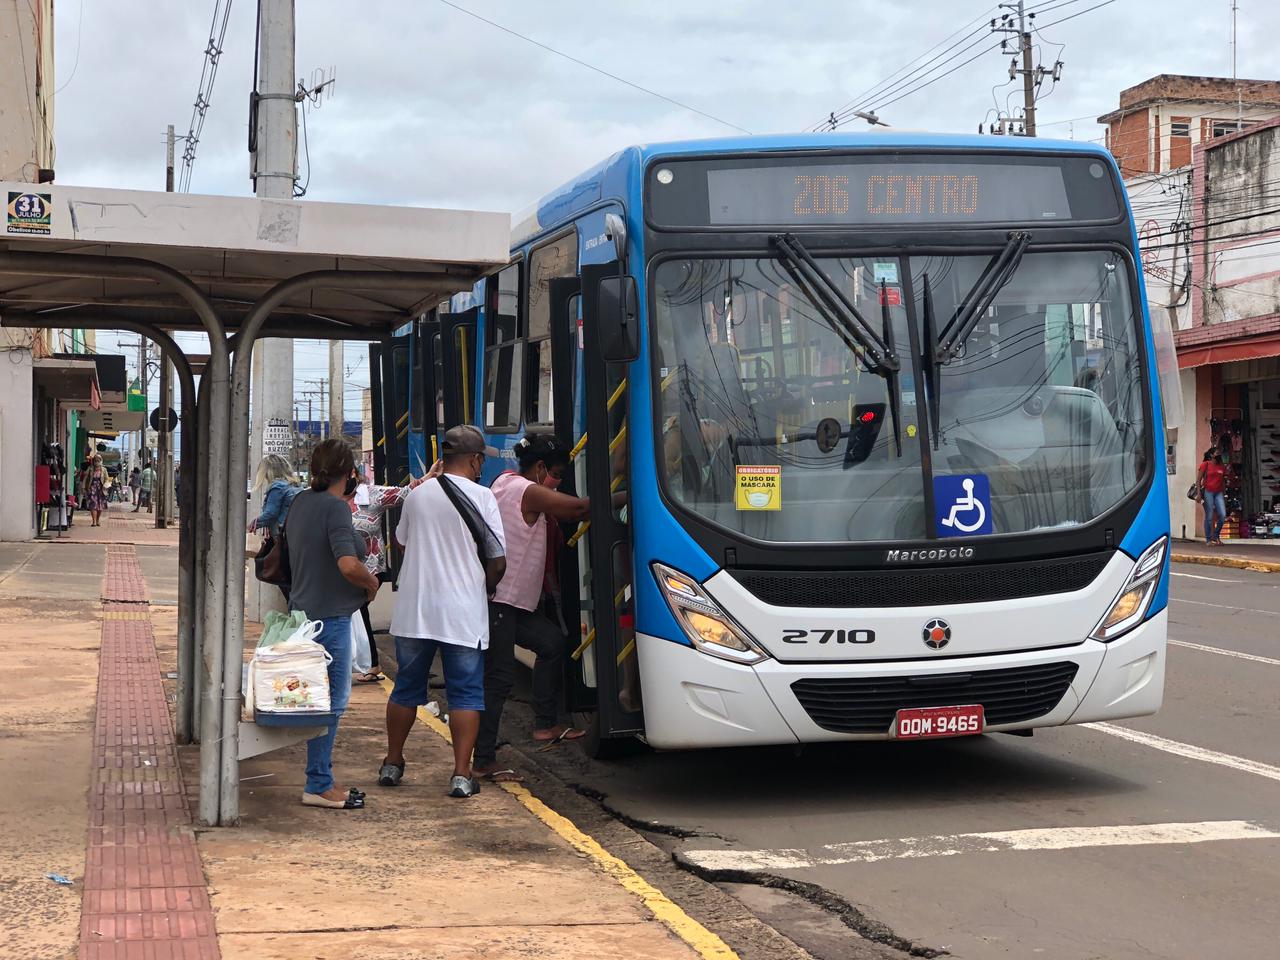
<point>450,532</point>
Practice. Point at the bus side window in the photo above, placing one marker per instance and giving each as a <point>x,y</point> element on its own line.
<point>558,258</point>
<point>502,367</point>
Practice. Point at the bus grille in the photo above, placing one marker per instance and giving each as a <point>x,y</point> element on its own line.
<point>917,586</point>
<point>868,704</point>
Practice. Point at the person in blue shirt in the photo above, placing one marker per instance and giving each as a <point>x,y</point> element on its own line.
<point>276,477</point>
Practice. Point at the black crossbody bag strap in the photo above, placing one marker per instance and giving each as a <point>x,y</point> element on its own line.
<point>468,517</point>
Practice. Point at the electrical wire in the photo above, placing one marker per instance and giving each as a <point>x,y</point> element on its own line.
<point>872,90</point>
<point>76,65</point>
<point>590,66</point>
<point>204,94</point>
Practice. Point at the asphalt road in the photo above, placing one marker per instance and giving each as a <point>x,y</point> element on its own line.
<point>1158,837</point>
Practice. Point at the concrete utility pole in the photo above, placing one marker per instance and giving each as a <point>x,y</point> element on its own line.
<point>1032,74</point>
<point>1235,43</point>
<point>162,492</point>
<point>275,170</point>
<point>1028,73</point>
<point>337,384</point>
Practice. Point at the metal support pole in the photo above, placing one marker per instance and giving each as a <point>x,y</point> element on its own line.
<point>215,451</point>
<point>201,530</point>
<point>162,490</point>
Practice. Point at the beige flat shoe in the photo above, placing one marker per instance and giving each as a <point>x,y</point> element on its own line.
<point>353,801</point>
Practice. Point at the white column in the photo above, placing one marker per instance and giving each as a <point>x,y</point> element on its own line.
<point>17,444</point>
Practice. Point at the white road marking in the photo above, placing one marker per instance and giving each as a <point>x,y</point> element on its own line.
<point>915,848</point>
<point>1196,576</point>
<point>1188,750</point>
<point>1224,606</point>
<point>1226,653</point>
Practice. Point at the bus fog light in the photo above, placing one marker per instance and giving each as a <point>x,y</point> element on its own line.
<point>709,629</point>
<point>1130,606</point>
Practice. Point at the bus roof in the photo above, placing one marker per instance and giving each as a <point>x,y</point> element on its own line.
<point>611,178</point>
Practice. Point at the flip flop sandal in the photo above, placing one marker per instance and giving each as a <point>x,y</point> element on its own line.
<point>369,679</point>
<point>390,774</point>
<point>316,800</point>
<point>568,733</point>
<point>502,776</point>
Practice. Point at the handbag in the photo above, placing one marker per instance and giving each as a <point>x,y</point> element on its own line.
<point>271,562</point>
<point>1193,491</point>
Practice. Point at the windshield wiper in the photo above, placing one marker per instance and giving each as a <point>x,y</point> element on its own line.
<point>876,352</point>
<point>947,344</point>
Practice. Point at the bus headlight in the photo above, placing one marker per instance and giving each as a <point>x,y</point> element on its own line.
<point>709,628</point>
<point>1130,606</point>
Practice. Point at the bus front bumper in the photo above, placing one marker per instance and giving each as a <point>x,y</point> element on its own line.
<point>692,700</point>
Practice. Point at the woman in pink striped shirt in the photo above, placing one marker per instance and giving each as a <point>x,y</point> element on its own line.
<point>527,501</point>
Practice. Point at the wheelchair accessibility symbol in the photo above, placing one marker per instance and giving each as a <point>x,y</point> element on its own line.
<point>963,505</point>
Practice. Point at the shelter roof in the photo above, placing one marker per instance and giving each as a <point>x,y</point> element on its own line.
<point>235,249</point>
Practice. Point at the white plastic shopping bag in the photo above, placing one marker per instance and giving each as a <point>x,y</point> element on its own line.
<point>292,676</point>
<point>361,656</point>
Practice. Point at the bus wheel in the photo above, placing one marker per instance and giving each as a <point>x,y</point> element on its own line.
<point>605,748</point>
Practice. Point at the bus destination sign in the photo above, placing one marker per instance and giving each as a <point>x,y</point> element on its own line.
<point>905,193</point>
<point>894,190</point>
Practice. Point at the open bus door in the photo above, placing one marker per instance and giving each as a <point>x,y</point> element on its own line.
<point>605,640</point>
<point>393,377</point>
<point>376,350</point>
<point>457,364</point>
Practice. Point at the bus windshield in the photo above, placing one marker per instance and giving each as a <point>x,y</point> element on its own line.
<point>772,428</point>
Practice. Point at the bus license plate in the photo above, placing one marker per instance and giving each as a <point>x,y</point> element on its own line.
<point>921,722</point>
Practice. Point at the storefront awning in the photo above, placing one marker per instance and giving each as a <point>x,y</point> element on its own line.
<point>1254,348</point>
<point>74,383</point>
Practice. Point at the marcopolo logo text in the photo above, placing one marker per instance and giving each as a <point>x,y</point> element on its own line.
<point>933,553</point>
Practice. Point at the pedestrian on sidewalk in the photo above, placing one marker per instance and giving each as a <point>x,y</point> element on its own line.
<point>527,503</point>
<point>1213,482</point>
<point>95,490</point>
<point>367,518</point>
<point>274,475</point>
<point>330,583</point>
<point>450,531</point>
<point>148,482</point>
<point>135,485</point>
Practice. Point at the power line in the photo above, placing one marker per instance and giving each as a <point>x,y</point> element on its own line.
<point>208,74</point>
<point>590,66</point>
<point>858,101</point>
<point>76,65</point>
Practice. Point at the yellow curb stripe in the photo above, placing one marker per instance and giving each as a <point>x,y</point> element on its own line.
<point>703,941</point>
<point>1235,563</point>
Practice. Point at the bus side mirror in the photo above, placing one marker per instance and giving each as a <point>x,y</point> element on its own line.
<point>618,316</point>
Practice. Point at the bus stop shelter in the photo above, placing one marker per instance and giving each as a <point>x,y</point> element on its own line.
<point>236,269</point>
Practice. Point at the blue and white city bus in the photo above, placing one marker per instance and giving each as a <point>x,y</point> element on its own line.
<point>870,424</point>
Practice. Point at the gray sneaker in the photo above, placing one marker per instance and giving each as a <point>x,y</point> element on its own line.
<point>390,774</point>
<point>463,786</point>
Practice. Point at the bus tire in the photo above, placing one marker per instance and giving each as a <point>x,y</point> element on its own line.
<point>598,747</point>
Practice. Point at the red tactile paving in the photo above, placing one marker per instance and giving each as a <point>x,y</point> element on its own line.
<point>144,888</point>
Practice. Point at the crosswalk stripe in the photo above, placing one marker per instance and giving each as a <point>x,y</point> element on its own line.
<point>916,848</point>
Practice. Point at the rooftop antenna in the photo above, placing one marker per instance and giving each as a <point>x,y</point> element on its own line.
<point>1234,79</point>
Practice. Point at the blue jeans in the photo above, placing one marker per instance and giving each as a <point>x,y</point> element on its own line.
<point>336,639</point>
<point>1215,504</point>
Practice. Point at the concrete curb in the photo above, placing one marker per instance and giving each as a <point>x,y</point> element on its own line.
<point>1238,563</point>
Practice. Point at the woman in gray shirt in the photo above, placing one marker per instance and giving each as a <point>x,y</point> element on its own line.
<point>330,583</point>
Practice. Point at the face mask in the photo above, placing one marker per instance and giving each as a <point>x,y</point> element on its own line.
<point>350,488</point>
<point>552,481</point>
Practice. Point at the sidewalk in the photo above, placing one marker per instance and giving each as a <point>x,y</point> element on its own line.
<point>119,525</point>
<point>1260,555</point>
<point>107,802</point>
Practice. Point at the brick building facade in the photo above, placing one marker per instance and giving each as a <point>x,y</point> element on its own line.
<point>1208,216</point>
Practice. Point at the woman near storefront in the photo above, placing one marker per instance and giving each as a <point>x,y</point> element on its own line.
<point>95,490</point>
<point>1213,482</point>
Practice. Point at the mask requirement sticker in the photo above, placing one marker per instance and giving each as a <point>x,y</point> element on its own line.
<point>758,488</point>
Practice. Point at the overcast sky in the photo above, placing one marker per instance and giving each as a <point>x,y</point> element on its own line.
<point>433,107</point>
